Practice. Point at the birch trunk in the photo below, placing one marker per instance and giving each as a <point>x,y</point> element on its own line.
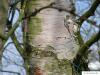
<point>53,46</point>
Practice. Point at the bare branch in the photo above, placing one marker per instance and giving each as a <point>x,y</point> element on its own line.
<point>87,45</point>
<point>37,11</point>
<point>9,72</point>
<point>89,12</point>
<point>11,31</point>
<point>18,46</point>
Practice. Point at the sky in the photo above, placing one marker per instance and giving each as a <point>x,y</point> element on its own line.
<point>12,60</point>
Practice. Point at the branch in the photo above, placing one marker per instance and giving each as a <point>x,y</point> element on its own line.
<point>99,52</point>
<point>9,72</point>
<point>81,19</point>
<point>37,11</point>
<point>81,54</point>
<point>65,10</point>
<point>87,45</point>
<point>11,31</point>
<point>48,6</point>
<point>93,23</point>
<point>16,43</point>
<point>89,12</point>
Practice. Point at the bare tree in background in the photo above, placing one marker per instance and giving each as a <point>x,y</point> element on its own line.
<point>43,55</point>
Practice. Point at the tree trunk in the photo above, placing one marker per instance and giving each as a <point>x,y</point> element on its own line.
<point>52,45</point>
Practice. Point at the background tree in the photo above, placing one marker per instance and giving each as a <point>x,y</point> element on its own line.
<point>52,39</point>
